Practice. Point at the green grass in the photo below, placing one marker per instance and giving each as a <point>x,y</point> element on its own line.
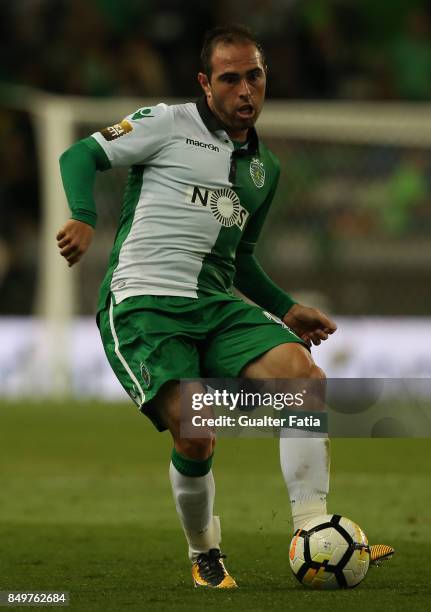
<point>86,507</point>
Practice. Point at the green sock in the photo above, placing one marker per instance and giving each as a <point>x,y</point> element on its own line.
<point>191,467</point>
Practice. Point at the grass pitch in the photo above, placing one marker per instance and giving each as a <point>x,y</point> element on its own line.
<point>86,507</point>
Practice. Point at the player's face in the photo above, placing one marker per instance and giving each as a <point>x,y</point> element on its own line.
<point>236,90</point>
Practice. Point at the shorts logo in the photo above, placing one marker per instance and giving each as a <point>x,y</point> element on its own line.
<point>133,392</point>
<point>223,203</point>
<point>257,172</point>
<point>145,374</point>
<point>272,317</point>
<point>117,130</point>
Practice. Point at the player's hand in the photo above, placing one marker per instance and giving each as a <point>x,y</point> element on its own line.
<point>73,240</point>
<point>309,323</point>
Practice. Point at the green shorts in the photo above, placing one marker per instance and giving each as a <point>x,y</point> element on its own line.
<point>150,340</point>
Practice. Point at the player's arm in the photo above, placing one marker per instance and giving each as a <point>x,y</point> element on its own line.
<point>132,141</point>
<point>78,167</point>
<point>309,323</point>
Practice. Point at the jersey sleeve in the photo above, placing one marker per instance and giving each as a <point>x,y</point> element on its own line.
<point>78,166</point>
<point>138,137</point>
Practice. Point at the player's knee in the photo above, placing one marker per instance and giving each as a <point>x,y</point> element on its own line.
<point>300,364</point>
<point>317,372</point>
<point>313,378</point>
<point>198,449</point>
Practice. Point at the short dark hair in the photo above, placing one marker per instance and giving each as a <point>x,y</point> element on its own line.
<point>228,35</point>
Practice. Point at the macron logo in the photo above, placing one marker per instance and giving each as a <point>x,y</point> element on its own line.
<point>204,145</point>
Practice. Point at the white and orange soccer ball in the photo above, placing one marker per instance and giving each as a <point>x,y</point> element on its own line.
<point>330,552</point>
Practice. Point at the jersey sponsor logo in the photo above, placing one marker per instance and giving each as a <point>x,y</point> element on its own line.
<point>204,145</point>
<point>117,130</point>
<point>142,113</point>
<point>257,172</point>
<point>223,203</point>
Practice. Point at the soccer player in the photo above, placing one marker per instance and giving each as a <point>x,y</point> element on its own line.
<point>199,188</point>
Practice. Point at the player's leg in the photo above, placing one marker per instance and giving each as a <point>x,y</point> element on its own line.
<point>254,343</point>
<point>193,489</point>
<point>190,473</point>
<point>150,342</point>
<point>304,455</point>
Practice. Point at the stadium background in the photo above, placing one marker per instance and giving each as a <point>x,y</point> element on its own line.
<point>349,231</point>
<point>334,201</point>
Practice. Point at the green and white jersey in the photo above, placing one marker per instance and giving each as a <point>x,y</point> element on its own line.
<point>193,197</point>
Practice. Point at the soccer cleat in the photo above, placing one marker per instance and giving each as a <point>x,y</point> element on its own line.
<point>379,553</point>
<point>209,570</point>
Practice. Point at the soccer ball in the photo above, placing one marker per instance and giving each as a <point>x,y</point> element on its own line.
<point>330,552</point>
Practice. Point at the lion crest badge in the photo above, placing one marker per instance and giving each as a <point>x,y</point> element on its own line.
<point>257,172</point>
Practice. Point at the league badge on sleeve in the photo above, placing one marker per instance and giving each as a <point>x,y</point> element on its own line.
<point>117,130</point>
<point>257,172</point>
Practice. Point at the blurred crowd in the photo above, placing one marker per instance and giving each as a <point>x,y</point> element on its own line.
<point>315,49</point>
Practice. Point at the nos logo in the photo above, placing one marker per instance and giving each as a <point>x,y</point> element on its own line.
<point>223,203</point>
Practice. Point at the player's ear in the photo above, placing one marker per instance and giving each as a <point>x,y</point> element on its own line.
<point>204,83</point>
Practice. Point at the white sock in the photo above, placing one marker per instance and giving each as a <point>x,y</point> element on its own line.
<point>305,460</point>
<point>194,501</point>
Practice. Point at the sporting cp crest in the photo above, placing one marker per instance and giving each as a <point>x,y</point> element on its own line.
<point>257,172</point>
